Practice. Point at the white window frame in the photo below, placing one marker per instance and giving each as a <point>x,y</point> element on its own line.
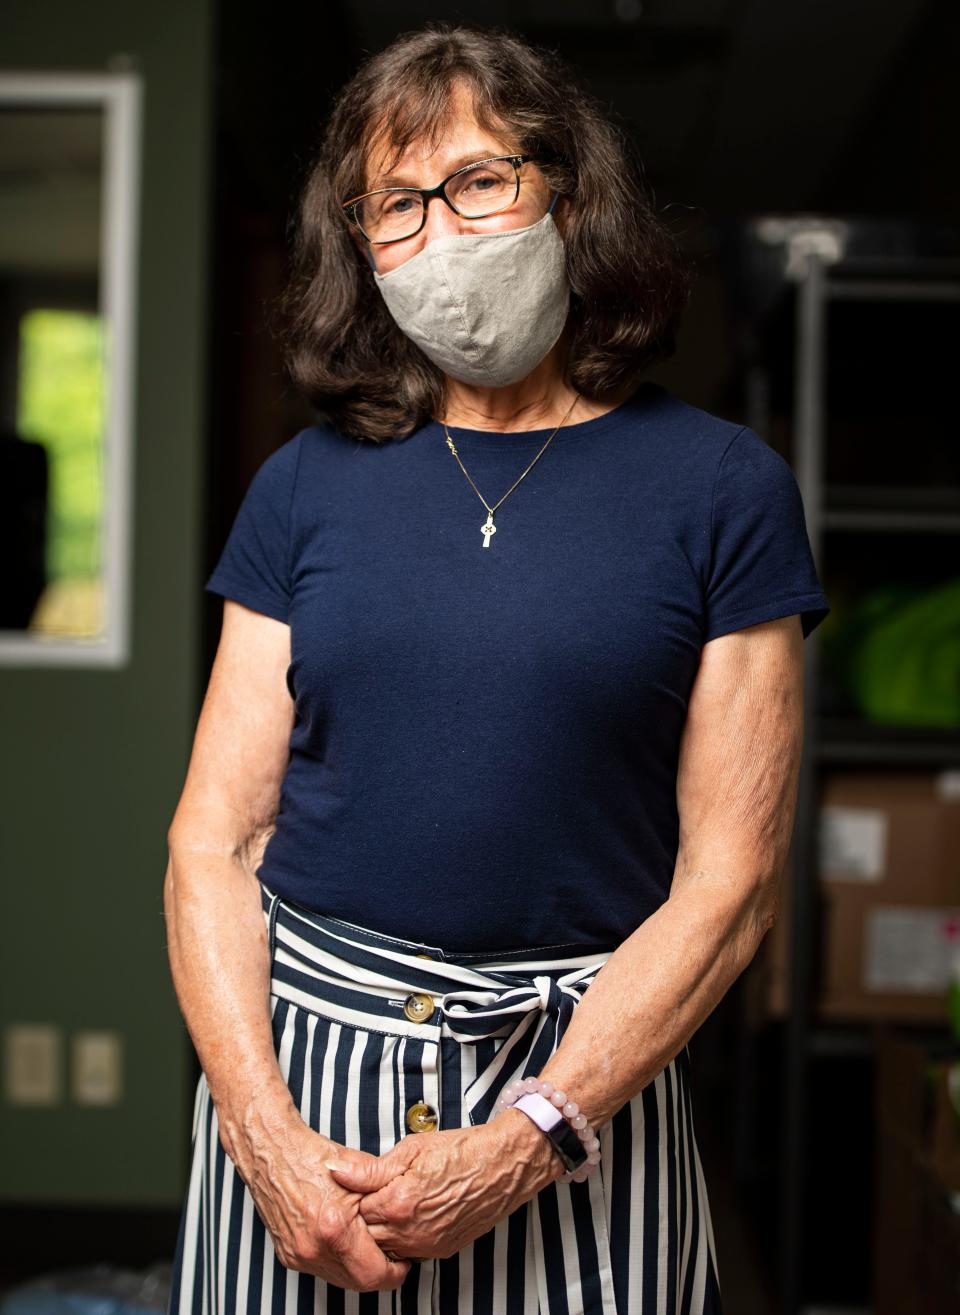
<point>119,95</point>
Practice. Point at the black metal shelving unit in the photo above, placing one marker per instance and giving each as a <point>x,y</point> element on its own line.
<point>799,268</point>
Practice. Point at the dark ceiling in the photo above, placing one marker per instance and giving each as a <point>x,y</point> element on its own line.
<point>737,106</point>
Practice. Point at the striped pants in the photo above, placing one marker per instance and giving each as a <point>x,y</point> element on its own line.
<point>378,1037</point>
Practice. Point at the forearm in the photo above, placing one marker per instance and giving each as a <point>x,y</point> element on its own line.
<point>654,992</point>
<point>647,1000</point>
<point>219,961</point>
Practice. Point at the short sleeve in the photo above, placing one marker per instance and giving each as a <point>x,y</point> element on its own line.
<point>761,562</point>
<point>254,567</point>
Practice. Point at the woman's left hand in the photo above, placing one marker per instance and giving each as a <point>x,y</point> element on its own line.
<point>454,1185</point>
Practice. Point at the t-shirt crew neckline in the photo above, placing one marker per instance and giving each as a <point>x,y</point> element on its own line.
<point>523,439</point>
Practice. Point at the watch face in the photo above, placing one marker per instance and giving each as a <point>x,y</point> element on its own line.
<point>569,1146</point>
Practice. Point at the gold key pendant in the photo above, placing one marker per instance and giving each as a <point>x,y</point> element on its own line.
<point>487,529</point>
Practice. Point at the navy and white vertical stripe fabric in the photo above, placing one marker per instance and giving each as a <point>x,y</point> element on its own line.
<point>635,1238</point>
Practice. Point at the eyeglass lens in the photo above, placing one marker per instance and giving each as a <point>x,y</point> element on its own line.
<point>477,192</point>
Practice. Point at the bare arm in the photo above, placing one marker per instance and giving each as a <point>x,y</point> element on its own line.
<point>219,960</point>
<point>736,795</point>
<point>215,928</point>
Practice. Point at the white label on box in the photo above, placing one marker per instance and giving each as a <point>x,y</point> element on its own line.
<point>908,949</point>
<point>853,843</point>
<point>946,784</point>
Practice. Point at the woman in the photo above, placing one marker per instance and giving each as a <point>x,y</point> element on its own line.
<point>480,795</point>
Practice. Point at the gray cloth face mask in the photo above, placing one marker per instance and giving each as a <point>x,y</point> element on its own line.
<point>484,307</point>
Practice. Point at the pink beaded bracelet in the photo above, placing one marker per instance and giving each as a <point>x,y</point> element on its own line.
<point>570,1111</point>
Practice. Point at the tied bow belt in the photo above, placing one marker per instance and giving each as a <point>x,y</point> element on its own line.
<point>533,1013</point>
<point>365,976</point>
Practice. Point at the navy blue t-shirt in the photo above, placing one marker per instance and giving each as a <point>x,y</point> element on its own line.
<point>486,740</point>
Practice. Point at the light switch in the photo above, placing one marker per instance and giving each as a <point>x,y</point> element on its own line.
<point>97,1068</point>
<point>32,1063</point>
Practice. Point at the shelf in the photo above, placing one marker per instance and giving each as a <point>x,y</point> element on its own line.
<point>845,311</point>
<point>835,1038</point>
<point>843,1040</point>
<point>848,740</point>
<point>884,497</point>
<point>844,1037</point>
<point>895,522</point>
<point>904,289</point>
<point>933,510</point>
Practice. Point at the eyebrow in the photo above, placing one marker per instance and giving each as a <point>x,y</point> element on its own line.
<point>470,157</point>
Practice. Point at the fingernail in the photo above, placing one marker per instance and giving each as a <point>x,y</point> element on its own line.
<point>331,1164</point>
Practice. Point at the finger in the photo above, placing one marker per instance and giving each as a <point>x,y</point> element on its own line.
<point>376,1170</point>
<point>366,1252</point>
<point>360,1172</point>
<point>386,1238</point>
<point>373,1208</point>
<point>395,1271</point>
<point>385,1235</point>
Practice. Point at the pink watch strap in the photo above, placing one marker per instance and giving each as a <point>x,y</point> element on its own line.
<point>543,1112</point>
<point>551,1121</point>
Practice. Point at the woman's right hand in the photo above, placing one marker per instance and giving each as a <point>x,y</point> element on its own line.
<point>315,1223</point>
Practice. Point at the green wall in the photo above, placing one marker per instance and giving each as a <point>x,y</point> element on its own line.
<point>92,762</point>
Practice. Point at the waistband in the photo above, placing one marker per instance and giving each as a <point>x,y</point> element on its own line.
<point>565,951</point>
<point>364,978</point>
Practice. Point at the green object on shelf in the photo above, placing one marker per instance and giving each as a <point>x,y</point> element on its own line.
<point>906,668</point>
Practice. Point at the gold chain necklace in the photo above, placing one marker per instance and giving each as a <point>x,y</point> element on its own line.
<point>488,529</point>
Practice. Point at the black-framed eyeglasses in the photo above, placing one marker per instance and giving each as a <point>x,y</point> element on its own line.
<point>392,214</point>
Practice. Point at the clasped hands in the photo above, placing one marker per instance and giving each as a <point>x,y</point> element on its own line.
<point>435,1192</point>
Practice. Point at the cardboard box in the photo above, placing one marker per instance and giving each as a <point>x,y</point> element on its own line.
<point>900,1122</point>
<point>916,1251</point>
<point>889,891</point>
<point>945,1127</point>
<point>896,833</point>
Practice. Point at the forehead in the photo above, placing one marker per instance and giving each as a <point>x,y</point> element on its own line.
<point>434,140</point>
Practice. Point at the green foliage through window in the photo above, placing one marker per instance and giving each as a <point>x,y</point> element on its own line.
<point>60,404</point>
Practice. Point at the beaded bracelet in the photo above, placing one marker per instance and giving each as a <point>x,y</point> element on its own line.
<point>570,1111</point>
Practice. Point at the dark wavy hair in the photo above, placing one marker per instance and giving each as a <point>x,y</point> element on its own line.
<point>630,280</point>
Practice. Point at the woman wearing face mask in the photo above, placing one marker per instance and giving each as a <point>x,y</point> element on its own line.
<point>495,776</point>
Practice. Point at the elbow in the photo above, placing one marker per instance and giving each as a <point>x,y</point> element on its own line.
<point>179,846</point>
<point>764,906</point>
<point>169,876</point>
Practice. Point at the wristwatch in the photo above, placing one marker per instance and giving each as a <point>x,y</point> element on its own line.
<point>550,1120</point>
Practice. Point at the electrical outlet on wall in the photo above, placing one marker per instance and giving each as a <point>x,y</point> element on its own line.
<point>32,1063</point>
<point>96,1076</point>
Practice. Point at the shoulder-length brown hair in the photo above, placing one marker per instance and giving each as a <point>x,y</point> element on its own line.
<point>630,282</point>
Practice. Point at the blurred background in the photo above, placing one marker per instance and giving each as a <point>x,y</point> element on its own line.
<point>149,162</point>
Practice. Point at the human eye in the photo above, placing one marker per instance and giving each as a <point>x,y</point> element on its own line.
<point>491,184</point>
<point>480,180</point>
<point>398,203</point>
